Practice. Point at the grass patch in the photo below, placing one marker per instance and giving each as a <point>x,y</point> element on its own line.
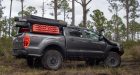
<point>134,52</point>
<point>131,50</point>
<point>5,46</point>
<point>11,66</point>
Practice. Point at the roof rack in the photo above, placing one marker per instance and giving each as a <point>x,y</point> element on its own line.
<point>40,20</point>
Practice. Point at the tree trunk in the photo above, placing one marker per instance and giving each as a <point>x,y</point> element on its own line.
<point>5,27</point>
<point>22,7</point>
<point>84,14</point>
<point>64,15</point>
<point>10,16</point>
<point>117,28</point>
<point>0,32</point>
<point>84,17</point>
<point>84,4</point>
<point>118,37</point>
<point>127,19</point>
<point>132,31</point>
<point>43,8</point>
<point>73,12</point>
<point>138,35</point>
<point>55,9</point>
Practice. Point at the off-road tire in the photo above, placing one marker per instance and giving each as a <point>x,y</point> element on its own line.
<point>30,61</point>
<point>33,62</point>
<point>113,60</point>
<point>52,60</point>
<point>92,62</point>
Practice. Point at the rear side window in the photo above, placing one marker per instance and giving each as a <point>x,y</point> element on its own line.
<point>23,30</point>
<point>22,27</point>
<point>75,33</point>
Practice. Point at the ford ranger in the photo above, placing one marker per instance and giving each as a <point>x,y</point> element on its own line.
<point>49,42</point>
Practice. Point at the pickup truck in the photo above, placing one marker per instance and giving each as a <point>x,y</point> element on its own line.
<point>49,42</point>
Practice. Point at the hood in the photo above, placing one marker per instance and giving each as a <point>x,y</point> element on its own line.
<point>114,43</point>
<point>110,42</point>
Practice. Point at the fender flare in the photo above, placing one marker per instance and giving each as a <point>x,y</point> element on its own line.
<point>57,47</point>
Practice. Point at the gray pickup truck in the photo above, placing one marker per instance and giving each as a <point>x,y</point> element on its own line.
<point>49,43</point>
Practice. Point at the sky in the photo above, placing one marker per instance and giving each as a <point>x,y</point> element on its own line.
<point>95,4</point>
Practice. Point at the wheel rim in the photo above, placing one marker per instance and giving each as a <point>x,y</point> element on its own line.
<point>112,62</point>
<point>53,61</point>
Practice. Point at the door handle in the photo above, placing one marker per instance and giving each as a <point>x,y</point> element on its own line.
<point>85,41</point>
<point>71,39</point>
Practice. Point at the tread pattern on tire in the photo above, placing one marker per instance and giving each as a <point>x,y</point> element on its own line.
<point>55,52</point>
<point>115,55</point>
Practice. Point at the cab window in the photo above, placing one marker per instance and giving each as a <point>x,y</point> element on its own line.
<point>91,35</point>
<point>75,33</point>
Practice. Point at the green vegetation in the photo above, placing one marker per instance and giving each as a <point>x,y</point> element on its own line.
<point>99,19</point>
<point>5,46</point>
<point>29,11</point>
<point>115,28</point>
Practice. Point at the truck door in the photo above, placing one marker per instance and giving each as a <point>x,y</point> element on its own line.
<point>75,42</point>
<point>96,47</point>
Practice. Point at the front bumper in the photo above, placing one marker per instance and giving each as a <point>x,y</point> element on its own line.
<point>121,50</point>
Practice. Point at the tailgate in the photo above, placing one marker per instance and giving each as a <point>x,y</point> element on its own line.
<point>18,41</point>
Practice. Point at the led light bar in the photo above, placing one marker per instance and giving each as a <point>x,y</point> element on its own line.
<point>45,29</point>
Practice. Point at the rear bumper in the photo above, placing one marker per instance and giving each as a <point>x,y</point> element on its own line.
<point>122,51</point>
<point>19,52</point>
<point>24,53</point>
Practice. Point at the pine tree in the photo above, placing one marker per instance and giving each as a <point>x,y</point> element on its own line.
<point>73,12</point>
<point>65,8</point>
<point>84,4</point>
<point>22,1</point>
<point>30,10</point>
<point>98,19</point>
<point>55,5</point>
<point>114,8</point>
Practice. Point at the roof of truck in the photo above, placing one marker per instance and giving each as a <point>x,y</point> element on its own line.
<point>76,27</point>
<point>45,21</point>
<point>40,20</point>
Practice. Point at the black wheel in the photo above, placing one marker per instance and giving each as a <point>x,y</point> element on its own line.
<point>113,60</point>
<point>52,60</point>
<point>30,61</point>
<point>33,62</point>
<point>92,62</point>
<point>89,62</point>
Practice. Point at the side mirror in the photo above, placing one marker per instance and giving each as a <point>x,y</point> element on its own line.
<point>101,38</point>
<point>101,32</point>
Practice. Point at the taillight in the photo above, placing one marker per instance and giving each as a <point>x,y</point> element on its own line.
<point>26,41</point>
